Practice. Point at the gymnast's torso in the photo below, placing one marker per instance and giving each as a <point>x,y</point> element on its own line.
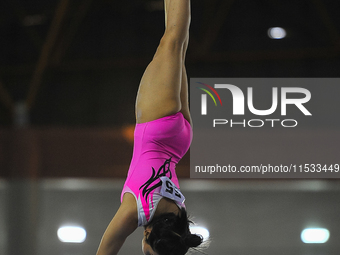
<point>158,147</point>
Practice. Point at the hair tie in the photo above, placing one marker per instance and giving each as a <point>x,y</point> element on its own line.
<point>176,234</point>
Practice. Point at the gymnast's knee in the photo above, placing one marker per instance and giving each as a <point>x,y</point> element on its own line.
<point>172,43</point>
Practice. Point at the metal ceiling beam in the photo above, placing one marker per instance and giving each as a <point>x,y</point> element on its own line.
<point>46,52</point>
<point>66,39</point>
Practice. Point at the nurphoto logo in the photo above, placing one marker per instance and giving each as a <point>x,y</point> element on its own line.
<point>265,127</point>
<point>238,104</point>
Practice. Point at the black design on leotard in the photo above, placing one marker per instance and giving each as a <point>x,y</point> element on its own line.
<point>162,171</point>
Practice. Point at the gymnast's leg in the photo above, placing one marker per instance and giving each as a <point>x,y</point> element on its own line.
<point>163,87</point>
<point>184,86</point>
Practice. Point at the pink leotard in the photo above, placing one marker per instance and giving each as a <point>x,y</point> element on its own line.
<point>158,146</point>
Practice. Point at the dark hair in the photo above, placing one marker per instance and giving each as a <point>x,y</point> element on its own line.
<point>170,234</point>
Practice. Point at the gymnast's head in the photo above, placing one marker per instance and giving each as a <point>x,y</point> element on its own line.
<point>169,234</point>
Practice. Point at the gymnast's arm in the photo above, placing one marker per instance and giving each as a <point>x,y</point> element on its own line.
<point>122,225</point>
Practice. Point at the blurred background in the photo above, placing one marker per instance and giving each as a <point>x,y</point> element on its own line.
<point>69,74</point>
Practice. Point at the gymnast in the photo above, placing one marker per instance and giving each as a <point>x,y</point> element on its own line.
<point>151,196</point>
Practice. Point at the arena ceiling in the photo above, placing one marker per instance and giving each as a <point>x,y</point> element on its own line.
<point>72,36</point>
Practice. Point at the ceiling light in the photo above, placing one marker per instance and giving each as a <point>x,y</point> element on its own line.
<point>315,235</point>
<point>276,33</point>
<point>71,234</point>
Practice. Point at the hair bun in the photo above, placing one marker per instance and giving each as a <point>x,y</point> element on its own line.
<point>193,240</point>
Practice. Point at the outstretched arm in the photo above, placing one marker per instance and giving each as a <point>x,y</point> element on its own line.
<point>121,226</point>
